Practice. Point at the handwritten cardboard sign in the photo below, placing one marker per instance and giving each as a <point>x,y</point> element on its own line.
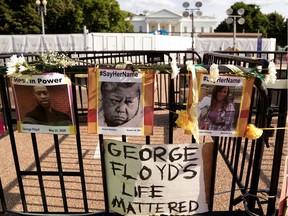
<point>155,179</point>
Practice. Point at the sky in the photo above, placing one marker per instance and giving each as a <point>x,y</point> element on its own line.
<point>215,8</point>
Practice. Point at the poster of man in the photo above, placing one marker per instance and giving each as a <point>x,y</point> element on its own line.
<point>123,102</point>
<point>221,105</point>
<point>43,104</point>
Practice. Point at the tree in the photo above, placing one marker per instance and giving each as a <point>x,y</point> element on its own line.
<point>17,18</point>
<point>6,17</point>
<point>63,16</point>
<point>277,28</point>
<point>105,16</point>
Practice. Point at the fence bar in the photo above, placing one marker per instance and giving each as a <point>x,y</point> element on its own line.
<point>60,171</point>
<point>12,140</point>
<point>39,174</point>
<point>262,108</point>
<point>103,168</point>
<point>171,109</point>
<point>213,174</point>
<point>235,170</point>
<point>79,148</point>
<point>280,135</point>
<point>2,199</point>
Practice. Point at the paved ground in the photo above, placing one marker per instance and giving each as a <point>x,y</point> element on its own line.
<point>92,167</point>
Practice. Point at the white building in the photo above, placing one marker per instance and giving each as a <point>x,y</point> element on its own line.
<point>173,23</point>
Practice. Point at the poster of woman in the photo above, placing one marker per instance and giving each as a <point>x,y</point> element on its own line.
<point>221,111</point>
<point>44,104</point>
<point>122,102</point>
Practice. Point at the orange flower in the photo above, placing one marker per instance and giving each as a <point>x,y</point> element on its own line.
<point>252,132</point>
<point>183,120</point>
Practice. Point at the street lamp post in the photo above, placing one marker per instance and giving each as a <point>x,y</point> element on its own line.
<point>42,11</point>
<point>186,13</point>
<point>233,19</point>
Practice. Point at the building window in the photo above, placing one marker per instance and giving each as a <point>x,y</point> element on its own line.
<point>173,29</point>
<point>162,27</point>
<point>140,29</point>
<point>153,28</point>
<point>202,29</point>
<point>185,29</point>
<point>211,29</point>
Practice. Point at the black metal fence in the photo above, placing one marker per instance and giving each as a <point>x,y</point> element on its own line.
<point>243,157</point>
<point>277,113</point>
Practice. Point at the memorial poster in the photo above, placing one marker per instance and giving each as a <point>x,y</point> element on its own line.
<point>44,103</point>
<point>121,102</point>
<point>224,105</point>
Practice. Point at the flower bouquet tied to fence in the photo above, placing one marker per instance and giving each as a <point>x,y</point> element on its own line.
<point>47,62</point>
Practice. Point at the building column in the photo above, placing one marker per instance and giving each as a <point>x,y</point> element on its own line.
<point>147,27</point>
<point>181,28</point>
<point>169,28</point>
<point>158,26</point>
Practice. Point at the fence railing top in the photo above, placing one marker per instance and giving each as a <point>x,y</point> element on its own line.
<point>251,60</point>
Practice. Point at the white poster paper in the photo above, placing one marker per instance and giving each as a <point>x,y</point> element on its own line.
<point>155,179</point>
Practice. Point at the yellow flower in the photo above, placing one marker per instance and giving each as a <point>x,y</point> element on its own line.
<point>252,132</point>
<point>183,120</point>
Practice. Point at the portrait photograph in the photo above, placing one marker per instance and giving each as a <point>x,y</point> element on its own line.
<point>44,108</point>
<point>122,100</point>
<point>120,104</point>
<point>221,105</point>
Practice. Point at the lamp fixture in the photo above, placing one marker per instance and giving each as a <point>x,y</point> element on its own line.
<point>235,19</point>
<point>186,13</point>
